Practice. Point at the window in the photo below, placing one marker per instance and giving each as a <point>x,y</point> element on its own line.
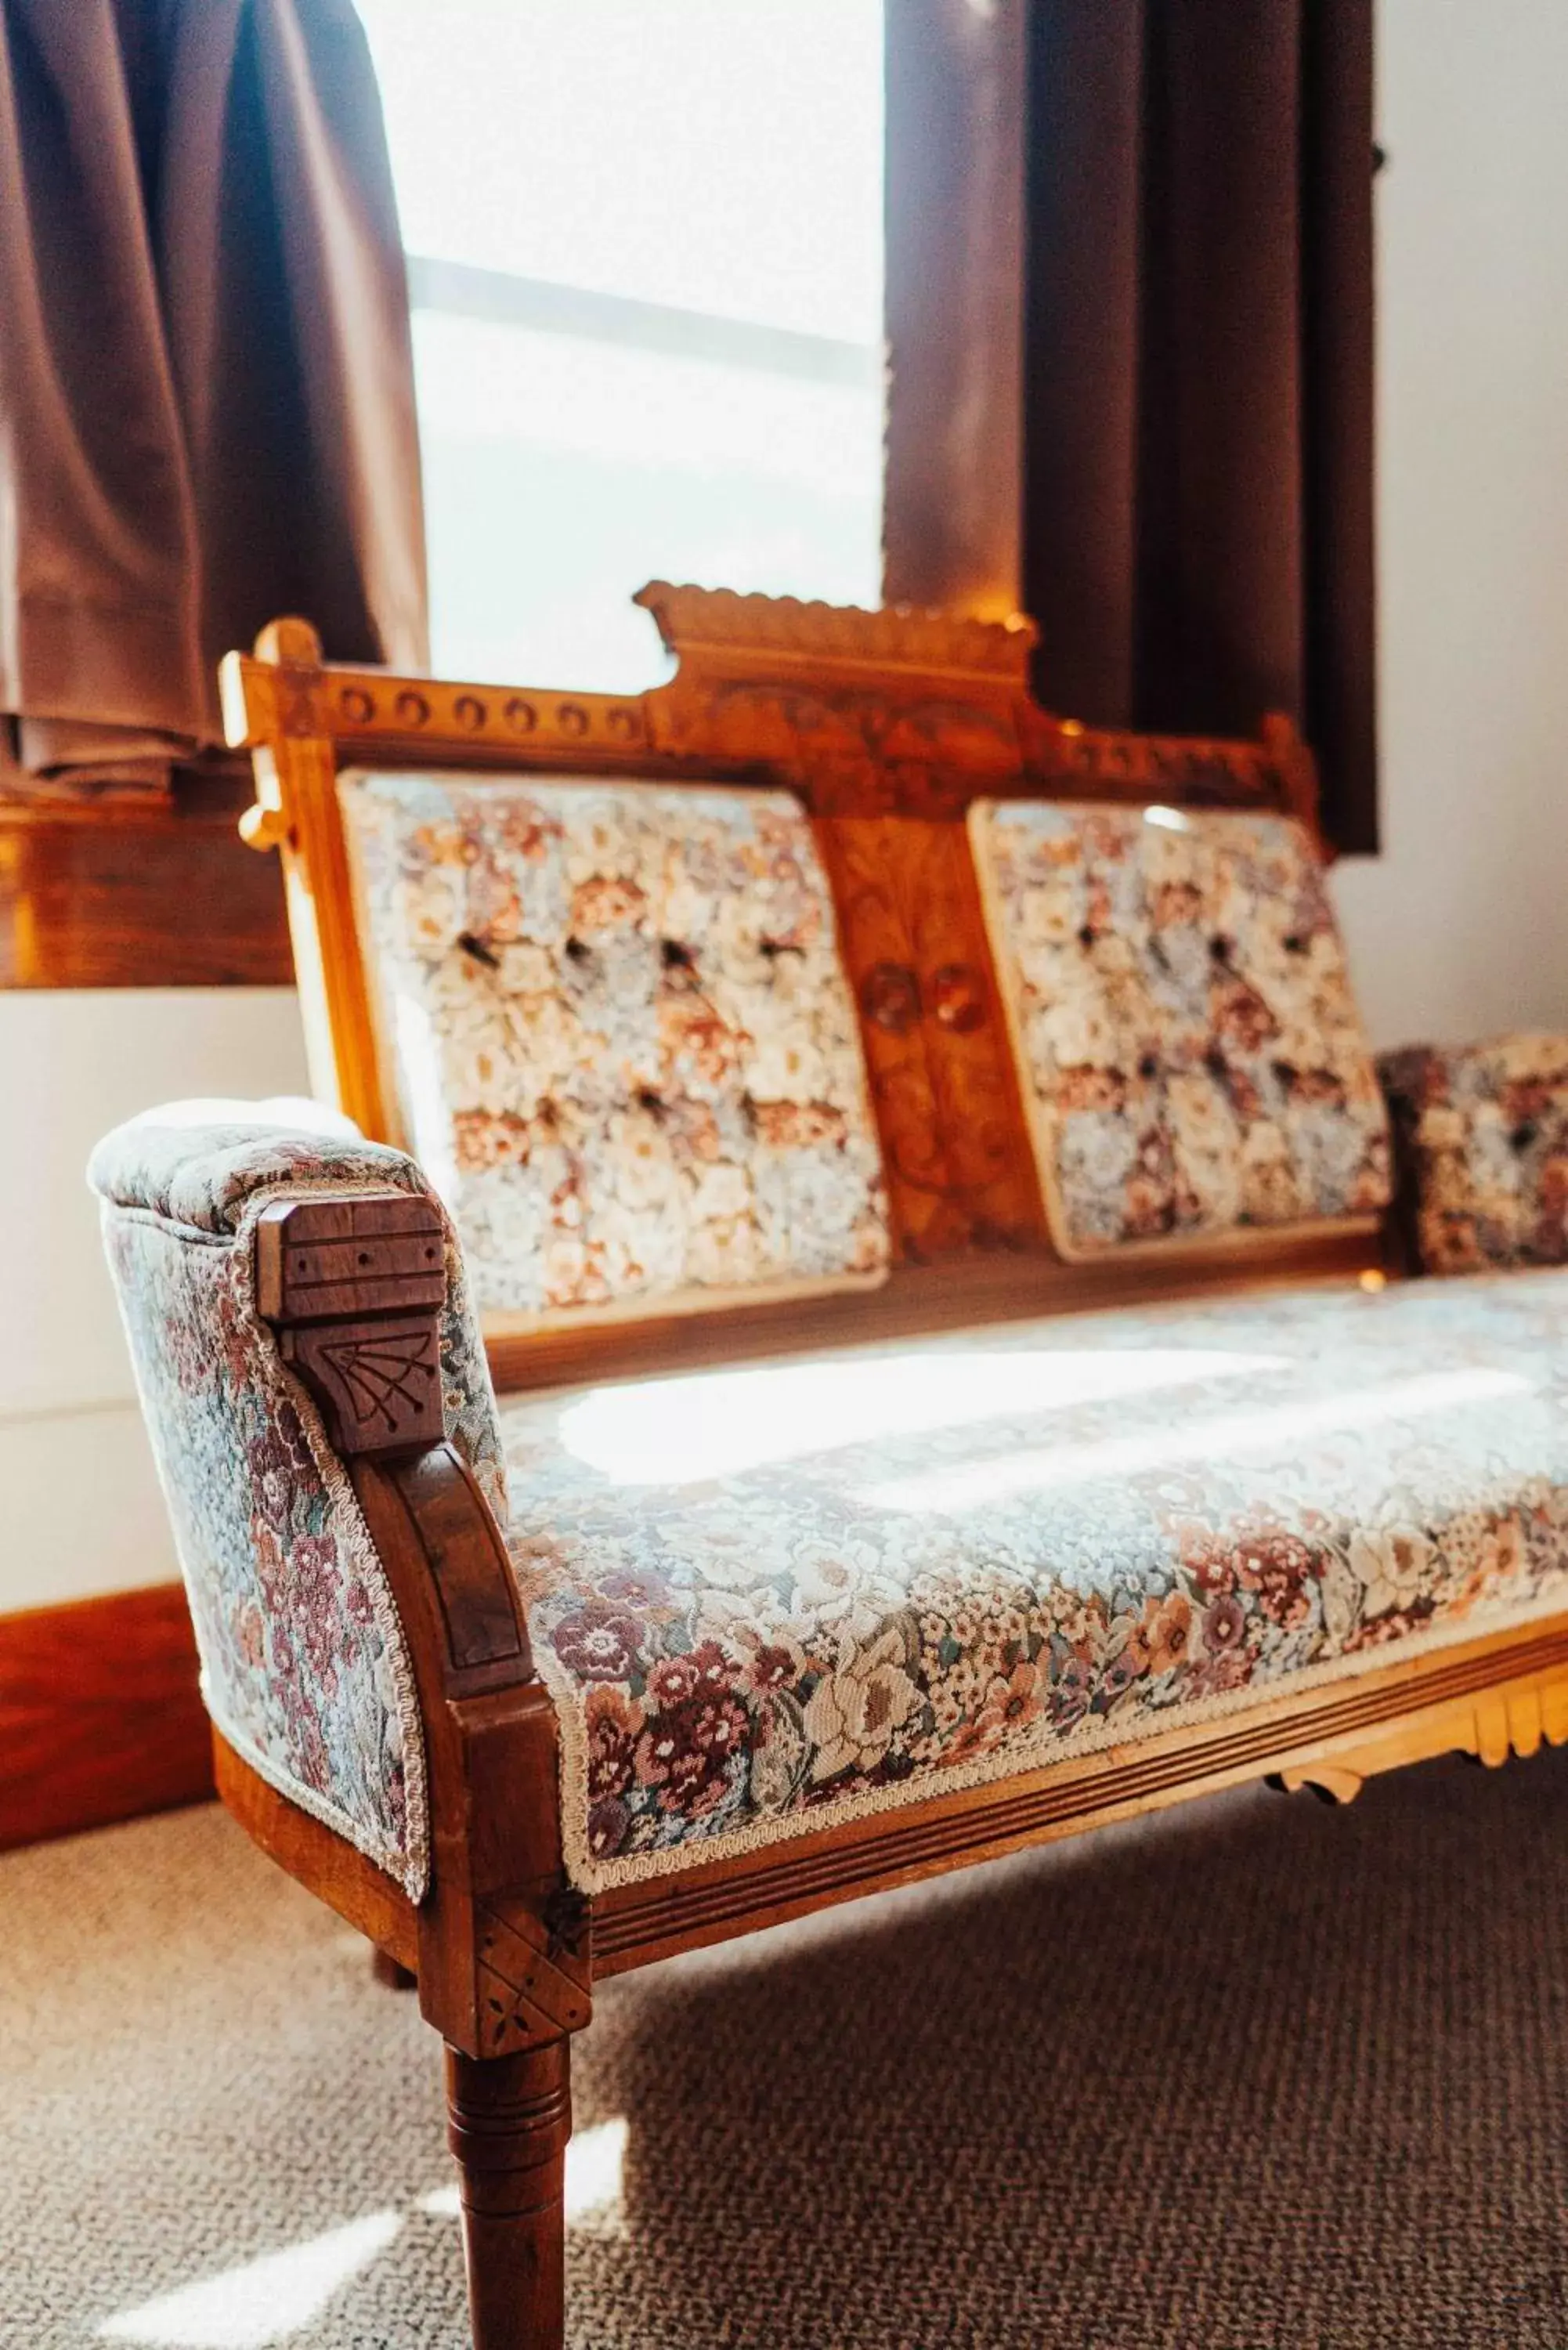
<point>646,265</point>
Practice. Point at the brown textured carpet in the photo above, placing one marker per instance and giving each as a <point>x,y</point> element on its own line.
<point>1254,2074</point>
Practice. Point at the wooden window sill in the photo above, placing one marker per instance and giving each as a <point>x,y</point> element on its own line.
<point>152,892</point>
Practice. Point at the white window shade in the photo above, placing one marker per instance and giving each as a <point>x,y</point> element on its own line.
<point>646,266</point>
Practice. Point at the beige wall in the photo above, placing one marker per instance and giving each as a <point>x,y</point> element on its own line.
<point>82,1510</point>
<point>1460,928</point>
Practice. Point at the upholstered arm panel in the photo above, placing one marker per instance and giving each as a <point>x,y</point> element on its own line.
<point>305,1666</point>
<point>1482,1134</point>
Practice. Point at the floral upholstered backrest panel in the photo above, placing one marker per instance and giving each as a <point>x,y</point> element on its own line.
<point>1189,1049</point>
<point>620,1038</point>
<point>1483,1133</point>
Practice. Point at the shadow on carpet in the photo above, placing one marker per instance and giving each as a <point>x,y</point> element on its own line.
<point>1252,2077</point>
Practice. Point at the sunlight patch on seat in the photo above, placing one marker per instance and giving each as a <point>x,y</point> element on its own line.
<point>717,1423</point>
<point>1218,1437</point>
<point>261,2301</point>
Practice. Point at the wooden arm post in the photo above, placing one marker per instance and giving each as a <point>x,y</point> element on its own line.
<point>354,1288</point>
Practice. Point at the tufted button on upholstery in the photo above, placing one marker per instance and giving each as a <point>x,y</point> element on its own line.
<point>958,998</point>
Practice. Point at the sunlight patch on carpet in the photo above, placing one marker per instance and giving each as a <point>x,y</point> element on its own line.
<point>260,2302</point>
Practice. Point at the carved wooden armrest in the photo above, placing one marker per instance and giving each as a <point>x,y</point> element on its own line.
<point>354,1288</point>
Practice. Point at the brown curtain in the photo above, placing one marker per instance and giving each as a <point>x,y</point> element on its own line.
<point>206,392</point>
<point>1199,355</point>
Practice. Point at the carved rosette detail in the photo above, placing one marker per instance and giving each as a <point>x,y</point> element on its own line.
<point>890,997</point>
<point>958,998</point>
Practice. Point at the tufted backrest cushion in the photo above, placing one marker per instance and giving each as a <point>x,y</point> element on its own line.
<point>615,1025</point>
<point>1188,1046</point>
<point>304,1664</point>
<point>1484,1135</point>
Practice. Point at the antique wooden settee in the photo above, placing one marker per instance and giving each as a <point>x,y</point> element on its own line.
<point>804,1046</point>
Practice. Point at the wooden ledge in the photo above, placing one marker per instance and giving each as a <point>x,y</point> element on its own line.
<point>131,895</point>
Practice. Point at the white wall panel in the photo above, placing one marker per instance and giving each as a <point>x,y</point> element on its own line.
<point>1459,928</point>
<point>71,1066</point>
<point>84,1512</point>
<point>82,1508</point>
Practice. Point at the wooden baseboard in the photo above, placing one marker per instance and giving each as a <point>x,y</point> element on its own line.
<point>101,1718</point>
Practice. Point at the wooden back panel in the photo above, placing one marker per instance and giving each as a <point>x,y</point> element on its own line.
<point>887,724</point>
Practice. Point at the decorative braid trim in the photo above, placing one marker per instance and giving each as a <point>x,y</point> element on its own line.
<point>591,1875</point>
<point>410,1868</point>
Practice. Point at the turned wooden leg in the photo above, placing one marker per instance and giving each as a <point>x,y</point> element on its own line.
<point>509,2120</point>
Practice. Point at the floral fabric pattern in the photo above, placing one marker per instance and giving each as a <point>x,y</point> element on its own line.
<point>623,1042</point>
<point>304,1665</point>
<point>1483,1138</point>
<point>768,1599</point>
<point>1188,1047</point>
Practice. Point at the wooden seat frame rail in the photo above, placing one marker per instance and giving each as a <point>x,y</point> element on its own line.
<point>505,1952</point>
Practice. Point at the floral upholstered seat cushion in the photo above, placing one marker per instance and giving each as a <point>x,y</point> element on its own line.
<point>768,1599</point>
<point>1188,1046</point>
<point>1483,1133</point>
<point>620,1036</point>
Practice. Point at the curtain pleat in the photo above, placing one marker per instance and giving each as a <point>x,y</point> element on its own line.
<point>206,386</point>
<point>1198,498</point>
